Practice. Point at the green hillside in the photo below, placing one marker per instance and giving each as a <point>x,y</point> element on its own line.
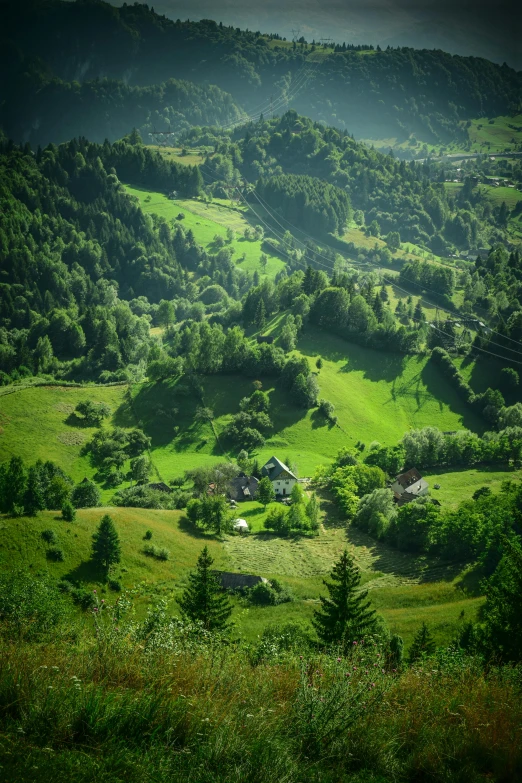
<point>208,220</point>
<point>404,589</point>
<point>377,396</point>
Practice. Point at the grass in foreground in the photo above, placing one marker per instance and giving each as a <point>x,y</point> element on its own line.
<point>108,711</point>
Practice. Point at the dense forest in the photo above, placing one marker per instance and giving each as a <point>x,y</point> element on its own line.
<point>387,195</point>
<point>40,109</point>
<point>371,93</point>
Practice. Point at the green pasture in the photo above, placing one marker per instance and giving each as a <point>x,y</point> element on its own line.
<point>208,220</point>
<point>404,598</point>
<point>39,423</point>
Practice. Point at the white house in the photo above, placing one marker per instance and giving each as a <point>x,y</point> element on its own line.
<point>280,475</point>
<point>409,486</point>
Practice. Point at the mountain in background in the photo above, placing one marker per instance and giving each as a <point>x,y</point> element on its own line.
<point>476,29</point>
<point>89,68</point>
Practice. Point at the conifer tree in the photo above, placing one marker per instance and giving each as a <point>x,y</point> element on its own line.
<point>422,644</point>
<point>503,609</point>
<point>346,615</point>
<point>34,499</point>
<point>260,319</point>
<point>203,600</point>
<point>106,548</point>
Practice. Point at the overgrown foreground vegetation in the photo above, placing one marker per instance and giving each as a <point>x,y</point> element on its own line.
<point>121,702</point>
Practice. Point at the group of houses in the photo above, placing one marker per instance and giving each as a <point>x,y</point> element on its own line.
<point>244,487</point>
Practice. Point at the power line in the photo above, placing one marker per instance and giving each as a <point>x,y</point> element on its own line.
<point>387,280</point>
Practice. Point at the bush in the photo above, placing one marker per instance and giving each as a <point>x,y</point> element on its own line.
<point>49,536</point>
<point>85,495</point>
<point>160,553</point>
<point>68,511</point>
<point>268,594</point>
<point>148,535</point>
<point>82,597</point>
<point>56,554</point>
<point>30,606</point>
<point>115,585</point>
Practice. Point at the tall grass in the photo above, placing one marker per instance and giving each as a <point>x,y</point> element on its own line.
<point>111,706</point>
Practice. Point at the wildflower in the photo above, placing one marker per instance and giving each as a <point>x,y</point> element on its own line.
<point>338,660</point>
<point>373,685</point>
<point>382,670</point>
<point>355,668</point>
<point>355,642</point>
<point>95,609</point>
<point>103,600</point>
<point>94,591</point>
<point>347,674</point>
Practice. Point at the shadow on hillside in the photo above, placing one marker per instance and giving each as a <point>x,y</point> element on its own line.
<point>188,527</point>
<point>319,420</point>
<point>440,390</point>
<point>375,365</point>
<point>87,571</point>
<point>332,515</point>
<point>73,420</point>
<point>406,564</point>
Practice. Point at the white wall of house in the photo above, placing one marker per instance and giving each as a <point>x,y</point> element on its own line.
<point>283,486</point>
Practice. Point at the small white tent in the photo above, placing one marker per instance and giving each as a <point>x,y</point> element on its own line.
<point>241,525</point>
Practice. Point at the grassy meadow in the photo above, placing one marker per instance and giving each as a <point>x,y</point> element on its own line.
<point>403,588</point>
<point>208,220</point>
<point>377,397</point>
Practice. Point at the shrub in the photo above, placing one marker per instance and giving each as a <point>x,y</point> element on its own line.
<point>49,536</point>
<point>148,535</point>
<point>30,606</point>
<point>56,554</point>
<point>68,511</point>
<point>85,495</point>
<point>115,585</point>
<point>160,553</point>
<point>82,597</point>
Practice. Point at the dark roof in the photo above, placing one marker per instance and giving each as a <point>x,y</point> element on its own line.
<point>408,478</point>
<point>274,467</point>
<point>161,486</point>
<point>243,487</point>
<point>231,581</point>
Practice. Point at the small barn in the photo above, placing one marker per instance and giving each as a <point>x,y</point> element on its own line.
<point>240,525</point>
<point>231,581</point>
<point>243,487</point>
<point>160,486</point>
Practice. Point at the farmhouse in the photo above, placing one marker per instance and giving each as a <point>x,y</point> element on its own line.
<point>409,486</point>
<point>243,487</point>
<point>280,475</point>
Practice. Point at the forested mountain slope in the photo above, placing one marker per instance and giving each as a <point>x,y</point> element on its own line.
<point>370,93</point>
<point>387,194</point>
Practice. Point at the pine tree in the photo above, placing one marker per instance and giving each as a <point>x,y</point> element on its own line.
<point>346,615</point>
<point>260,319</point>
<point>106,548</point>
<point>265,492</point>
<point>503,609</point>
<point>34,499</point>
<point>422,644</point>
<point>203,600</point>
<point>12,485</point>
